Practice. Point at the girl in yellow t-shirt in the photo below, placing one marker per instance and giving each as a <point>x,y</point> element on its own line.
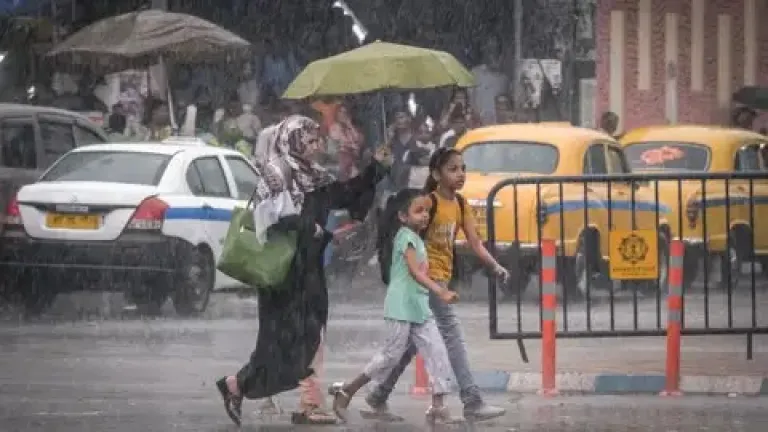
<point>447,175</point>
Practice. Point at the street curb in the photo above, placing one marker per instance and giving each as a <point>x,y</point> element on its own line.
<point>499,381</point>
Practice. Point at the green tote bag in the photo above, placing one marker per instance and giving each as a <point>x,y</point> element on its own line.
<point>263,266</point>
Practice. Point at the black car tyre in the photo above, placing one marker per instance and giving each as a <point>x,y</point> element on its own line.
<point>149,300</point>
<point>34,293</point>
<point>194,282</point>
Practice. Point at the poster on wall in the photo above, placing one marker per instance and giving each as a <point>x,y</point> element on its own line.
<point>532,74</point>
<point>584,34</point>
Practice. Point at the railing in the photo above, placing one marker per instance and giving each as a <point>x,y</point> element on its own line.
<point>612,237</point>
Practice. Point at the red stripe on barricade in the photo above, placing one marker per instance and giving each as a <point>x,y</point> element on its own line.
<point>675,276</point>
<point>549,301</point>
<point>548,275</point>
<point>675,302</point>
<point>548,323</point>
<point>674,319</point>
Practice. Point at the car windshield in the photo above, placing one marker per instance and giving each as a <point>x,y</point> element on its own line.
<point>511,157</point>
<point>109,166</point>
<point>667,156</point>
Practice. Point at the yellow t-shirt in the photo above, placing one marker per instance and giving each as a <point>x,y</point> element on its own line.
<point>441,235</point>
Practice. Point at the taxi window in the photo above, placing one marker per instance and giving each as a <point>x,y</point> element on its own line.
<point>667,156</point>
<point>594,160</point>
<point>246,178</point>
<point>109,166</point>
<point>511,157</point>
<point>211,177</point>
<point>616,161</point>
<point>748,159</point>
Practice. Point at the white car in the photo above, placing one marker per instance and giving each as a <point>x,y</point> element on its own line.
<point>147,218</point>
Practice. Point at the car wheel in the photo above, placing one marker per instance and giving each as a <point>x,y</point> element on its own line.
<point>33,293</point>
<point>194,284</point>
<point>578,271</point>
<point>730,264</point>
<point>764,266</point>
<point>149,301</point>
<point>692,263</point>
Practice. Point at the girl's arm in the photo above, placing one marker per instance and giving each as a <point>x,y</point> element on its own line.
<point>470,231</point>
<point>418,273</point>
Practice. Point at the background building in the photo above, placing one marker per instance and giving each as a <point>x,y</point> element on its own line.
<point>678,61</point>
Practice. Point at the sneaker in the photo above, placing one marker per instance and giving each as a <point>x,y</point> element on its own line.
<point>378,411</point>
<point>440,416</point>
<point>483,412</point>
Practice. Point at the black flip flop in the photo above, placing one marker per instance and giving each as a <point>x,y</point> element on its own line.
<point>232,403</point>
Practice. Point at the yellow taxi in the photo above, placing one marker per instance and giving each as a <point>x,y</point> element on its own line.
<point>578,216</point>
<point>702,149</point>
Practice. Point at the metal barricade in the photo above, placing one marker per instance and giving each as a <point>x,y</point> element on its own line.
<point>613,237</point>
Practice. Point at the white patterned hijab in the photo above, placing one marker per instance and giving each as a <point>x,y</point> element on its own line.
<point>293,139</point>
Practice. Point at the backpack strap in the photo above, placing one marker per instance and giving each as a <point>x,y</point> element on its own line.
<point>432,213</point>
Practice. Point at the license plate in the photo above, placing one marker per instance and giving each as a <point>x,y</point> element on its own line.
<point>72,221</point>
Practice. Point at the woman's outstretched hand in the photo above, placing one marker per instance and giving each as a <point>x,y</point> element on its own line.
<point>384,155</point>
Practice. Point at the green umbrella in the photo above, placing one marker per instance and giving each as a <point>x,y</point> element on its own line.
<point>379,66</point>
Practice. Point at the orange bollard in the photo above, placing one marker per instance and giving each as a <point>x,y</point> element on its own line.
<point>548,311</point>
<point>674,318</point>
<point>421,381</point>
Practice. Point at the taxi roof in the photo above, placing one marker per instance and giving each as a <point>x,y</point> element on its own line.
<point>557,134</point>
<point>702,134</point>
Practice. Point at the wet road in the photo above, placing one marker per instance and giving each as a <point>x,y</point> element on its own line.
<point>130,374</point>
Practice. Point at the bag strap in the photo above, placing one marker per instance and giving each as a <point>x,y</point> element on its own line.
<point>433,211</point>
<point>462,207</point>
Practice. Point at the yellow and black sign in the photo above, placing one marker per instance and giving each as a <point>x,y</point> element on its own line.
<point>634,255</point>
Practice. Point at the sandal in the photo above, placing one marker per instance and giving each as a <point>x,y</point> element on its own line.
<point>341,400</point>
<point>232,403</point>
<point>312,416</point>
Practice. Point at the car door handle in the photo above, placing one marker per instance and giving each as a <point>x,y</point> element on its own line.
<point>207,206</point>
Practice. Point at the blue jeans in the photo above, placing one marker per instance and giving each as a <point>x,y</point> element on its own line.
<point>450,328</point>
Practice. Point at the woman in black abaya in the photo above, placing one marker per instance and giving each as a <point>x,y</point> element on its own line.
<point>292,319</point>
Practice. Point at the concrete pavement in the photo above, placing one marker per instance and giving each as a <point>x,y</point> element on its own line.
<point>121,373</point>
<point>710,364</point>
<point>157,375</point>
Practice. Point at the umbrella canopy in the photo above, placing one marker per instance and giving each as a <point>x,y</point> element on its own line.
<point>378,66</point>
<point>138,39</point>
